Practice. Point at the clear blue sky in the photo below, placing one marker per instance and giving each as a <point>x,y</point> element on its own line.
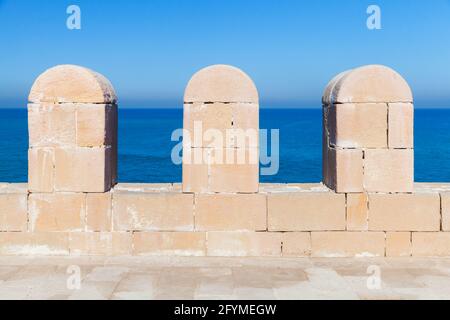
<point>291,48</point>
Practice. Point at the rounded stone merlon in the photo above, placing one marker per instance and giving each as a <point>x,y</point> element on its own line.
<point>372,83</point>
<point>72,84</point>
<point>221,83</point>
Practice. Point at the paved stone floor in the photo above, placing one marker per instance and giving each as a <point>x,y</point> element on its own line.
<point>223,278</point>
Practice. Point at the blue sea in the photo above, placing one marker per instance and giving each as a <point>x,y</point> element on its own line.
<point>145,145</point>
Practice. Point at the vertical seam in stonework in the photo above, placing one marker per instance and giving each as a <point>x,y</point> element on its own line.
<point>440,212</point>
<point>387,126</point>
<point>385,243</point>
<point>368,210</point>
<point>346,211</point>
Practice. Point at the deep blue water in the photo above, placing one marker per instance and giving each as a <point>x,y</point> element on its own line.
<point>145,145</point>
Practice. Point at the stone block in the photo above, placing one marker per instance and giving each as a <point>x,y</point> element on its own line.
<point>41,169</point>
<point>306,211</point>
<point>98,211</point>
<point>389,170</point>
<point>296,244</point>
<point>169,243</point>
<point>445,203</point>
<point>357,212</point>
<point>398,244</point>
<point>404,212</point>
<point>347,244</point>
<point>224,244</point>
<point>100,243</point>
<point>430,244</point>
<point>34,243</point>
<point>401,123</point>
<point>150,211</point>
<point>95,125</point>
<point>13,212</point>
<point>220,212</point>
<point>56,212</point>
<point>345,170</point>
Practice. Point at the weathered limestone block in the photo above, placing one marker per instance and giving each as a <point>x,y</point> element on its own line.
<point>56,212</point>
<point>34,243</point>
<point>398,244</point>
<point>150,211</point>
<point>100,243</point>
<point>99,211</point>
<point>296,244</point>
<point>221,113</point>
<point>368,132</point>
<point>357,212</point>
<point>306,211</point>
<point>72,116</point>
<point>169,243</point>
<point>404,212</point>
<point>223,243</point>
<point>41,166</point>
<point>233,212</point>
<point>445,203</point>
<point>389,170</point>
<point>430,244</point>
<point>13,212</point>
<point>401,120</point>
<point>347,244</point>
<point>362,125</point>
<point>83,169</point>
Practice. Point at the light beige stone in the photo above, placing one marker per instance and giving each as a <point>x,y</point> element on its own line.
<point>404,212</point>
<point>195,178</point>
<point>34,243</point>
<point>221,83</point>
<point>98,211</point>
<point>401,123</point>
<point>370,83</point>
<point>169,243</point>
<point>41,169</point>
<point>360,125</point>
<point>389,170</point>
<point>242,177</point>
<point>244,244</point>
<point>56,212</point>
<point>100,243</point>
<point>219,212</point>
<point>445,204</point>
<point>398,244</point>
<point>95,125</point>
<point>430,244</point>
<point>357,212</point>
<point>306,211</point>
<point>150,211</point>
<point>51,125</point>
<point>344,170</point>
<point>296,244</point>
<point>347,244</point>
<point>13,212</point>
<point>70,83</point>
<point>83,169</point>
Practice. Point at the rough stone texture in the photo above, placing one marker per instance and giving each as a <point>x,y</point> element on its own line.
<point>404,212</point>
<point>150,211</point>
<point>100,243</point>
<point>13,212</point>
<point>398,244</point>
<point>362,125</point>
<point>345,170</point>
<point>236,212</point>
<point>244,244</point>
<point>389,170</point>
<point>445,204</point>
<point>83,169</point>
<point>95,125</point>
<point>195,178</point>
<point>220,83</point>
<point>56,212</point>
<point>70,83</point>
<point>169,243</point>
<point>34,243</point>
<point>371,83</point>
<point>52,125</point>
<point>306,211</point>
<point>401,122</point>
<point>357,212</point>
<point>41,163</point>
<point>296,244</point>
<point>98,212</point>
<point>347,244</point>
<point>429,244</point>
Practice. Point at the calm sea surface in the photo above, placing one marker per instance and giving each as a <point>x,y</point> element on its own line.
<point>145,145</point>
